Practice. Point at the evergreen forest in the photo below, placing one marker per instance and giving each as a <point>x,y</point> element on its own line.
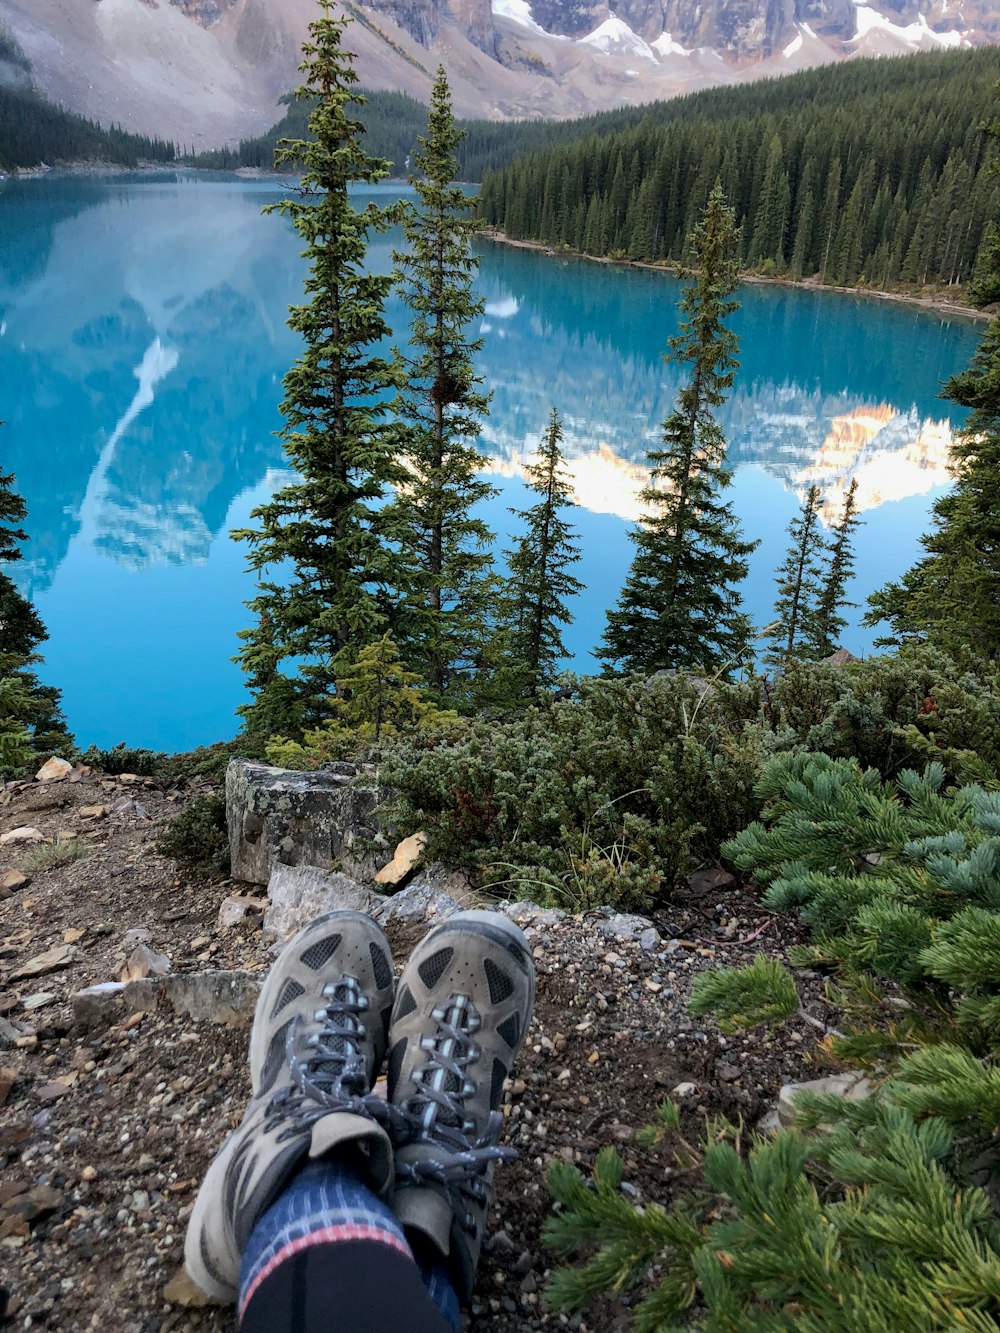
<point>870,173</point>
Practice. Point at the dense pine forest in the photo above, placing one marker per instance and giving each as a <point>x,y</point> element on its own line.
<point>33,131</point>
<point>873,173</point>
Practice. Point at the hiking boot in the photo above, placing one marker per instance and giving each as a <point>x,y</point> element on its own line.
<point>462,1010</point>
<point>318,1039</point>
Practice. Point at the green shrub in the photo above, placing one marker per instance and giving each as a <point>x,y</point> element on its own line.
<point>604,797</point>
<point>862,1230</point>
<point>38,859</point>
<point>197,838</point>
<point>871,1214</point>
<point>746,997</point>
<point>124,758</point>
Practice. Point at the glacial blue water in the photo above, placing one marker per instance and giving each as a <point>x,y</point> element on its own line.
<point>142,346</point>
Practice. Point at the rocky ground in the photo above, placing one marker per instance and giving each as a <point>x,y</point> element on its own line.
<point>105,1131</point>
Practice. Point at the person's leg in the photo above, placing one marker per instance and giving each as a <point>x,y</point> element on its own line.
<point>462,1010</point>
<point>290,1215</point>
<point>329,1257</point>
<point>317,1043</point>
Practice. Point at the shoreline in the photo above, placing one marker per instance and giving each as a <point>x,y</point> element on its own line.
<point>939,305</point>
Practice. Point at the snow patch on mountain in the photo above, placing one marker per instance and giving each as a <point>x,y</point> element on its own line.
<point>666,46</point>
<point>916,35</point>
<point>520,12</point>
<point>615,37</point>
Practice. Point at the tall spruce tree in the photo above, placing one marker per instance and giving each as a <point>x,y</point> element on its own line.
<point>325,527</point>
<point>828,620</point>
<point>540,580</point>
<point>681,606</point>
<point>441,408</point>
<point>30,718</point>
<point>952,595</point>
<point>793,629</point>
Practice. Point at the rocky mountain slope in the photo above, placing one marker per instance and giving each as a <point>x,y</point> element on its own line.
<point>209,71</point>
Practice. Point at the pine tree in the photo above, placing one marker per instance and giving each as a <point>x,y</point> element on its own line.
<point>325,526</point>
<point>798,579</point>
<point>952,595</point>
<point>540,580</point>
<point>441,407</point>
<point>828,622</point>
<point>30,718</point>
<point>681,607</point>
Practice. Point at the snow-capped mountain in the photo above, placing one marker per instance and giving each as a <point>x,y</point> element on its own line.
<point>207,71</point>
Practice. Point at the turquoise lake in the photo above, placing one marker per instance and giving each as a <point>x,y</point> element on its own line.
<point>142,346</point>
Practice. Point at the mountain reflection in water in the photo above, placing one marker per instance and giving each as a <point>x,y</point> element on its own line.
<point>142,345</point>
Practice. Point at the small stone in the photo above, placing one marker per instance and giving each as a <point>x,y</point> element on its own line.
<point>50,961</point>
<point>652,986</point>
<point>8,1077</point>
<point>405,861</point>
<point>685,1089</point>
<point>94,812</point>
<point>12,881</point>
<point>54,770</point>
<point>708,881</point>
<point>72,935</point>
<point>39,1000</point>
<point>88,1173</point>
<point>649,939</point>
<point>51,1092</point>
<point>236,908</point>
<point>23,834</point>
<point>144,962</point>
<point>180,1290</point>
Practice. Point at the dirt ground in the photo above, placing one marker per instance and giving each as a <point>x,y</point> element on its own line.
<point>105,1134</point>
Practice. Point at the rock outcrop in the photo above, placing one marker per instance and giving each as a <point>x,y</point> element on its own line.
<point>323,819</point>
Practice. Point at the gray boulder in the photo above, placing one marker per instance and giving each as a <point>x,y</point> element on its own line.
<point>277,815</point>
<point>298,894</point>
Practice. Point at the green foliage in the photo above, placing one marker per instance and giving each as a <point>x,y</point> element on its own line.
<point>31,723</point>
<point>828,618</point>
<point>875,175</point>
<point>123,758</point>
<point>680,607</point>
<point>895,710</point>
<point>197,838</point>
<point>794,626</point>
<point>47,857</point>
<point>859,1227</point>
<point>540,582</point>
<point>378,700</point>
<point>746,997</point>
<point>35,131</point>
<point>440,409</point>
<point>952,594</point>
<point>601,798</point>
<point>326,575</point>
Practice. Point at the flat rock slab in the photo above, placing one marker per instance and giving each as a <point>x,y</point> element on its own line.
<point>298,894</point>
<point>226,998</point>
<point>277,815</point>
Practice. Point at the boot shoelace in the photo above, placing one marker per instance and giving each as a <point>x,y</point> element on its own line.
<point>436,1114</point>
<point>331,1074</point>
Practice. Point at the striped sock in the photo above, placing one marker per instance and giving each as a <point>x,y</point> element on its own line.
<point>324,1203</point>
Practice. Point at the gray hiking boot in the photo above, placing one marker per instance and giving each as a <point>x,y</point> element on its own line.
<point>462,1010</point>
<point>318,1039</point>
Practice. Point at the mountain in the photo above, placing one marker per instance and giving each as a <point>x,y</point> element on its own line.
<point>205,72</point>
